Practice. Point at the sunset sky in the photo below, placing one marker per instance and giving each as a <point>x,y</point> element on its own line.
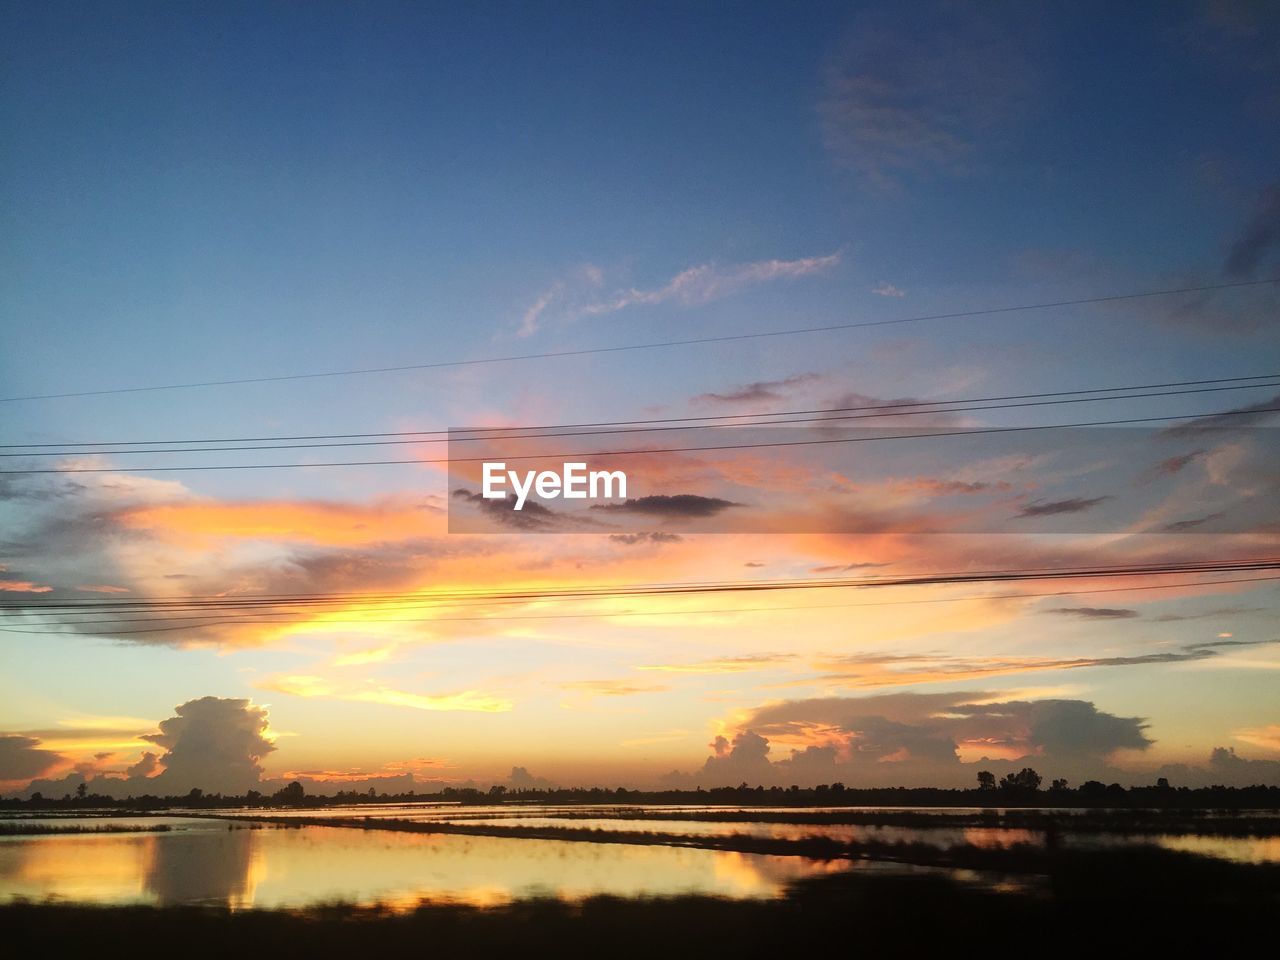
<point>235,194</point>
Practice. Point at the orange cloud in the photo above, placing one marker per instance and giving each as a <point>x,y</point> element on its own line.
<point>320,522</point>
<point>22,586</point>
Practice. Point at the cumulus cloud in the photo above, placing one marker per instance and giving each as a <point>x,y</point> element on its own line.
<point>1224,767</point>
<point>916,739</point>
<point>147,766</point>
<point>212,743</point>
<point>522,779</point>
<point>22,758</point>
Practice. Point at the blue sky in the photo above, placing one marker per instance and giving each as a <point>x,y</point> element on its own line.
<point>250,190</point>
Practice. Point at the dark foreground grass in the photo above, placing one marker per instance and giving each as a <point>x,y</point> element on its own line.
<point>869,916</point>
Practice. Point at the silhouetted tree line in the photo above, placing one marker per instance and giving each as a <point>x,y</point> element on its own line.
<point>1017,788</point>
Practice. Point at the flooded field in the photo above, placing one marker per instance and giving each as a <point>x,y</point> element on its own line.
<point>400,855</point>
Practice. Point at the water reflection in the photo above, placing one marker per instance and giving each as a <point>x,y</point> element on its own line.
<point>216,867</point>
<point>239,864</point>
<point>288,867</point>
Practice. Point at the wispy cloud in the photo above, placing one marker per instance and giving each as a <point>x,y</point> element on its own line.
<point>708,282</point>
<point>883,289</point>
<point>1266,737</point>
<point>581,294</point>
<point>22,586</point>
<point>742,664</point>
<point>611,688</point>
<point>924,95</point>
<point>306,685</point>
<point>880,670</point>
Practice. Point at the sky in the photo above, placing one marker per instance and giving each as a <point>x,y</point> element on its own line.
<point>250,192</point>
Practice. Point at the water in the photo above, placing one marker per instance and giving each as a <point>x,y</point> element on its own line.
<point>205,862</point>
<point>242,864</point>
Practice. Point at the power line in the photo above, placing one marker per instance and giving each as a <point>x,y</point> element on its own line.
<point>655,613</point>
<point>618,591</point>
<point>829,415</point>
<point>726,338</point>
<point>894,405</point>
<point>641,452</point>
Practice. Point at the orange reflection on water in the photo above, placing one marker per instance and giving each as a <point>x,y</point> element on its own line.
<point>93,869</point>
<point>1001,838</point>
<point>287,867</point>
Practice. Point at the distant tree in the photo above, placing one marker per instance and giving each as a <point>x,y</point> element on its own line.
<point>1092,788</point>
<point>82,790</point>
<point>1162,783</point>
<point>293,794</point>
<point>986,780</point>
<point>1025,780</point>
<point>1058,786</point>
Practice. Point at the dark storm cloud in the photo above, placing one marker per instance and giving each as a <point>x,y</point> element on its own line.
<point>1237,417</point>
<point>22,758</point>
<point>1053,508</point>
<point>759,391</point>
<point>1095,613</point>
<point>532,516</point>
<point>1173,465</point>
<point>1185,526</point>
<point>37,489</point>
<point>847,567</point>
<point>1260,234</point>
<point>680,505</point>
<point>632,539</point>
